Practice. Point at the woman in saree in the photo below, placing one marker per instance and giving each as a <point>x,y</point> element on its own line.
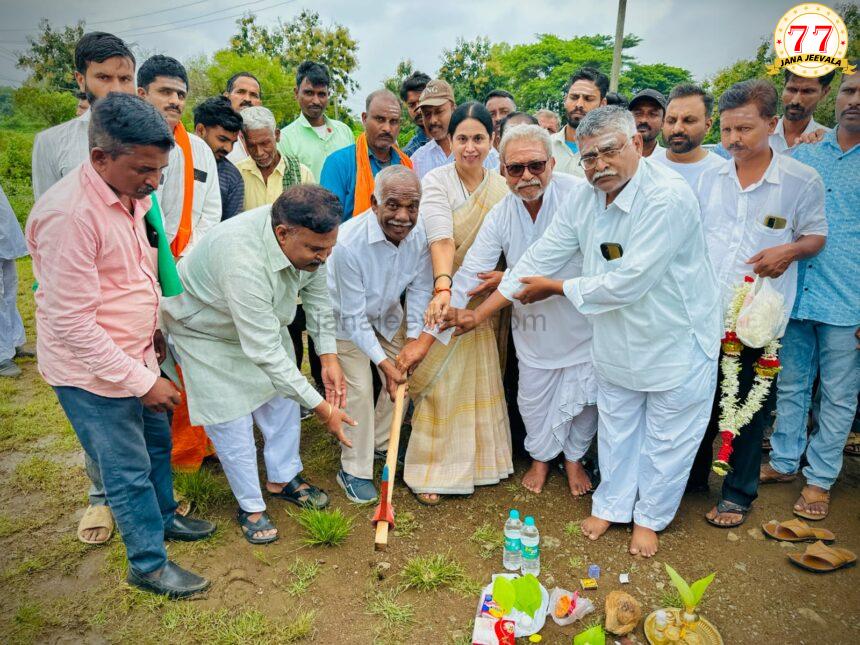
<point>460,432</point>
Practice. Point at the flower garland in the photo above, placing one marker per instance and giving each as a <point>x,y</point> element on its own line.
<point>733,415</point>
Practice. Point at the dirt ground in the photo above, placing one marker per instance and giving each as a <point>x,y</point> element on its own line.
<point>55,590</point>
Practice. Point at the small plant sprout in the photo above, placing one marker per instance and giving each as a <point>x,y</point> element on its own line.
<point>691,595</point>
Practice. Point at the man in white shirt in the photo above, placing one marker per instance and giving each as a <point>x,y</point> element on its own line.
<point>243,90</point>
<point>585,91</point>
<point>761,213</point>
<point>687,122</point>
<point>652,299</point>
<point>557,388</point>
<point>380,254</point>
<point>649,108</point>
<point>437,106</point>
<point>103,64</point>
<point>163,82</point>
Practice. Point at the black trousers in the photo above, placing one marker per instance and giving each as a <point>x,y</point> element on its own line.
<point>741,484</point>
<point>296,328</point>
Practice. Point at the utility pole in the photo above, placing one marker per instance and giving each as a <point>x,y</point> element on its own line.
<point>619,41</point>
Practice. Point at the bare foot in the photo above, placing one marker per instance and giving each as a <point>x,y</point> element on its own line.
<point>535,477</point>
<point>430,499</point>
<point>726,518</point>
<point>644,541</point>
<point>577,478</point>
<point>253,517</point>
<point>593,527</point>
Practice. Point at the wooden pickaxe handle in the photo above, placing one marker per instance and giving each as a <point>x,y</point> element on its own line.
<point>391,461</point>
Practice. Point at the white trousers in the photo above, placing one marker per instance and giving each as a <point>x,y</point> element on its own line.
<point>11,326</point>
<point>280,423</point>
<point>646,445</point>
<point>373,419</point>
<point>558,410</point>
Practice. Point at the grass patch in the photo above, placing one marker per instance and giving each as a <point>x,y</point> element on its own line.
<point>429,572</point>
<point>185,621</point>
<point>512,487</point>
<point>395,615</point>
<point>27,623</point>
<point>327,527</point>
<point>263,557</point>
<point>671,598</point>
<point>575,563</point>
<point>303,574</point>
<point>116,561</point>
<point>405,524</point>
<point>572,529</point>
<point>11,525</point>
<point>203,488</point>
<point>322,455</point>
<point>36,474</point>
<point>489,540</point>
<point>593,621</point>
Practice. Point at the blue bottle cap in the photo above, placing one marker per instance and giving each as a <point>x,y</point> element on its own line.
<point>514,514</point>
<point>530,521</point>
<point>593,571</point>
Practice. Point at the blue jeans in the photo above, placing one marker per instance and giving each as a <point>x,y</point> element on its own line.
<point>131,446</point>
<point>811,348</point>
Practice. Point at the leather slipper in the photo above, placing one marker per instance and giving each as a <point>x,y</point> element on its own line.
<point>796,531</point>
<point>96,517</point>
<point>820,558</point>
<point>810,496</point>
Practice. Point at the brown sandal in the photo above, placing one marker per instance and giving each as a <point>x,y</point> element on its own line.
<point>796,531</point>
<point>810,496</point>
<point>769,475</point>
<point>820,558</point>
<point>852,446</point>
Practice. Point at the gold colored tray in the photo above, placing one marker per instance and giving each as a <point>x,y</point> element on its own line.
<point>707,633</point>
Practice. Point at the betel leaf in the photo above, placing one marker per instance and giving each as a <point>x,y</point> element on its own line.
<point>682,587</point>
<point>504,594</point>
<point>528,596</point>
<point>593,636</point>
<point>698,588</point>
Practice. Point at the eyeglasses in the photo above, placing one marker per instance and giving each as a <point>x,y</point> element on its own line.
<point>517,169</point>
<point>590,161</point>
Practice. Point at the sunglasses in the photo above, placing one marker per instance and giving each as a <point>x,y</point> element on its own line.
<point>517,169</point>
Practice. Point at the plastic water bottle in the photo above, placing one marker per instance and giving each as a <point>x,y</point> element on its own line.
<point>513,557</point>
<point>531,547</point>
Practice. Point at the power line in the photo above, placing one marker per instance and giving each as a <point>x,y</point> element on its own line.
<point>144,31</point>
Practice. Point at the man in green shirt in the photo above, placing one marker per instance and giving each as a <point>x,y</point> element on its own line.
<point>313,136</point>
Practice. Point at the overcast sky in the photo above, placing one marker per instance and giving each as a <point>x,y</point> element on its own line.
<point>701,35</point>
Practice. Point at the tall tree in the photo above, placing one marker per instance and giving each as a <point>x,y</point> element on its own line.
<point>404,68</point>
<point>303,38</point>
<point>472,68</point>
<point>50,57</point>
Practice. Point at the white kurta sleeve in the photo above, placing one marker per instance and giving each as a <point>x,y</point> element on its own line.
<point>810,209</point>
<point>482,256</point>
<point>418,295</point>
<point>45,171</point>
<point>210,205</point>
<point>435,209</point>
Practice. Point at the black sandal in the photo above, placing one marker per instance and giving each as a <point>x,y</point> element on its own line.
<point>249,527</point>
<point>311,496</point>
<point>725,506</point>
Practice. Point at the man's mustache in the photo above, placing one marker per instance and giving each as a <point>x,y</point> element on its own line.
<point>604,173</point>
<point>526,184</point>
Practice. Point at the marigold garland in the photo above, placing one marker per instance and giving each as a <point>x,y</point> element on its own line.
<point>733,415</point>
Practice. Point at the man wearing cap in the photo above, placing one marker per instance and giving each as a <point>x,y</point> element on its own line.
<point>437,105</point>
<point>649,108</point>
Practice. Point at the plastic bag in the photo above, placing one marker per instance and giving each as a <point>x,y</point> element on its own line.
<point>525,624</point>
<point>561,599</point>
<point>762,316</point>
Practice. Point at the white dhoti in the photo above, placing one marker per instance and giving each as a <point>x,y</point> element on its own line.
<point>280,423</point>
<point>646,445</point>
<point>558,410</point>
<point>11,326</point>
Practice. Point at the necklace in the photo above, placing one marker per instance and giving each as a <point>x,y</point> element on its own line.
<point>466,192</point>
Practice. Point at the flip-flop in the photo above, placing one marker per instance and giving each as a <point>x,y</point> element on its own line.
<point>428,502</point>
<point>311,496</point>
<point>852,446</point>
<point>808,496</point>
<point>249,527</point>
<point>725,506</point>
<point>96,517</point>
<point>820,558</point>
<point>796,531</point>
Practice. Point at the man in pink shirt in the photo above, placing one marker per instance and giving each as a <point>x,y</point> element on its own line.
<point>98,341</point>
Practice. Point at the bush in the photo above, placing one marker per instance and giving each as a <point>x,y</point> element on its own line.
<point>16,149</point>
<point>42,106</point>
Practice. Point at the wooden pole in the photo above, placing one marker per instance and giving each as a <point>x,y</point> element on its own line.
<point>619,42</point>
<point>381,540</point>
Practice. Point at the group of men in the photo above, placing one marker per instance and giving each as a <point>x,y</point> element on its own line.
<point>622,258</point>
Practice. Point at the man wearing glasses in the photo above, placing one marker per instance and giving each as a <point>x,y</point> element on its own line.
<point>557,388</point>
<point>651,296</point>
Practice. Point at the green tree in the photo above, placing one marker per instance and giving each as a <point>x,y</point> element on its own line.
<point>42,107</point>
<point>303,38</point>
<point>50,57</point>
<point>472,68</point>
<point>404,68</point>
<point>660,77</point>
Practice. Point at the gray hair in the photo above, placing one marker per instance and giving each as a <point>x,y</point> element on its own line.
<point>391,173</point>
<point>525,132</point>
<point>607,119</point>
<point>258,117</point>
<point>548,114</point>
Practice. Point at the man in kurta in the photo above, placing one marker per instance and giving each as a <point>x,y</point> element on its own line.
<point>557,387</point>
<point>99,345</point>
<point>243,90</point>
<point>380,255</point>
<point>230,331</point>
<point>349,172</point>
<point>653,302</point>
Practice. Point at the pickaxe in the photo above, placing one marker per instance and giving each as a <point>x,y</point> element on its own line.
<point>383,518</point>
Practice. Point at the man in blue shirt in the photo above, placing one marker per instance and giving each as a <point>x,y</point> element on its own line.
<point>218,124</point>
<point>821,336</point>
<point>349,172</point>
<point>410,93</point>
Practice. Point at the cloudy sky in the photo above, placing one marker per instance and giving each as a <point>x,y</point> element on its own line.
<point>701,35</point>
